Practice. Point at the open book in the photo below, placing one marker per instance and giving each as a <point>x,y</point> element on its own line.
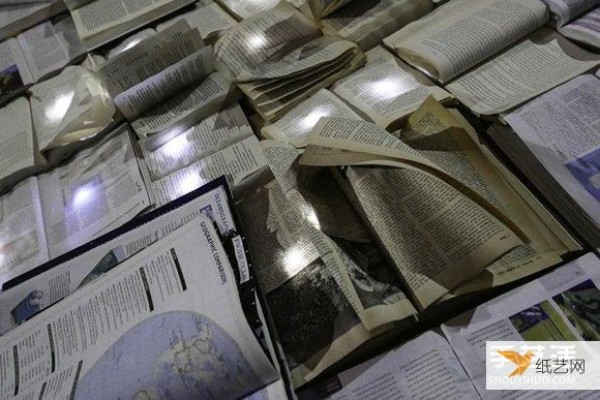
<point>554,141</point>
<point>343,291</point>
<point>278,57</point>
<point>386,90</point>
<point>101,21</point>
<point>451,363</point>
<point>37,53</point>
<point>451,219</point>
<point>166,83</point>
<point>174,307</point>
<point>578,20</point>
<point>367,22</point>
<point>98,190</point>
<point>454,43</point>
<point>242,9</point>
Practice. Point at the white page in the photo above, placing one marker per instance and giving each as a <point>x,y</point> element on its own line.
<point>212,134</point>
<point>539,63</point>
<point>22,240</point>
<point>16,138</point>
<point>423,368</point>
<point>34,295</point>
<point>236,161</point>
<point>500,320</point>
<point>98,190</point>
<point>173,310</point>
<point>295,126</point>
<point>562,129</point>
<point>386,89</point>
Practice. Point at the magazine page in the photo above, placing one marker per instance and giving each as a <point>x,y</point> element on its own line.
<point>207,352</point>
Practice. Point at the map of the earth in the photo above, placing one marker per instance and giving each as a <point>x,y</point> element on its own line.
<point>177,355</point>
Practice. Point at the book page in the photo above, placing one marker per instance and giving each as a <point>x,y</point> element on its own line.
<point>564,11</point>
<point>149,57</point>
<point>208,17</point>
<point>17,16</point>
<point>123,315</point>
<point>129,42</point>
<point>69,108</point>
<point>23,242</point>
<point>295,126</point>
<point>211,135</point>
<point>463,33</point>
<point>268,34</point>
<point>423,368</point>
<point>386,89</point>
<point>585,29</point>
<point>321,8</point>
<point>155,90</point>
<point>539,63</point>
<point>17,149</point>
<point>49,47</point>
<point>99,16</point>
<point>14,72</point>
<point>447,139</point>
<point>97,191</point>
<point>542,310</point>
<point>182,111</point>
<point>236,161</point>
<point>425,230</point>
<point>293,270</point>
<point>243,9</point>
<point>367,22</point>
<point>562,130</point>
<point>34,295</point>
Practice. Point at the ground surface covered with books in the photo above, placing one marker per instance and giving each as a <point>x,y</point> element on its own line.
<point>304,199</point>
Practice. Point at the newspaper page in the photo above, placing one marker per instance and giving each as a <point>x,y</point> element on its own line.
<point>545,60</point>
<point>429,242</point>
<point>367,22</point>
<point>182,111</point>
<point>22,238</point>
<point>268,34</point>
<point>101,21</point>
<point>463,33</point>
<point>49,47</point>
<point>95,192</point>
<point>542,310</point>
<point>387,90</point>
<point>243,9</point>
<point>208,17</point>
<point>69,108</point>
<point>564,11</point>
<point>14,73</point>
<point>34,295</point>
<point>297,123</point>
<point>211,135</point>
<point>585,29</point>
<point>423,368</point>
<point>149,57</point>
<point>172,80</point>
<point>562,130</point>
<point>17,150</point>
<point>236,161</point>
<point>185,343</point>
